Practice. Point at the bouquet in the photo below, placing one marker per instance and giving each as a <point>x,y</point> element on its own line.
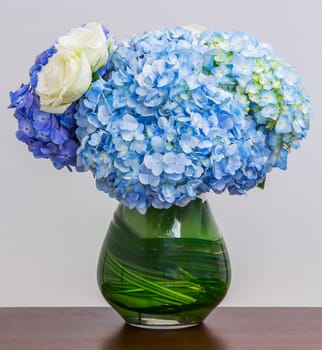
<point>160,119</point>
<point>165,116</point>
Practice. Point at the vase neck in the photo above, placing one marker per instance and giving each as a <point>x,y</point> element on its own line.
<point>194,220</point>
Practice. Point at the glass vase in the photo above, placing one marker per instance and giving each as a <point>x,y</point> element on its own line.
<point>167,268</point>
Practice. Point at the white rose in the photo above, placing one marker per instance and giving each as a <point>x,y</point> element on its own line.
<point>63,80</point>
<point>195,28</point>
<point>89,39</point>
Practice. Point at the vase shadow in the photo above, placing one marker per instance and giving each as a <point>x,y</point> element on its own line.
<point>132,338</point>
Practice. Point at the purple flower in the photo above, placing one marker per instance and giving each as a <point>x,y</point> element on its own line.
<point>42,120</point>
<point>47,135</point>
<point>26,127</point>
<point>65,155</point>
<point>41,60</point>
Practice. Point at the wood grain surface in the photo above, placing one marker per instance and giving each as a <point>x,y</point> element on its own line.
<point>103,329</point>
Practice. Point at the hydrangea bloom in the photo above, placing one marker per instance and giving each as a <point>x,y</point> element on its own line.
<point>41,61</point>
<point>52,135</point>
<point>172,114</point>
<point>178,113</point>
<point>47,135</point>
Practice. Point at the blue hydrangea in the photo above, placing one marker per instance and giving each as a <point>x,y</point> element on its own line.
<point>47,135</point>
<point>172,115</point>
<point>41,60</point>
<point>178,114</point>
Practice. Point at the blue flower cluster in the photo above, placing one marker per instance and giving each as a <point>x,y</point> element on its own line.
<point>41,61</point>
<point>47,135</point>
<point>181,113</point>
<point>172,115</point>
<point>267,88</point>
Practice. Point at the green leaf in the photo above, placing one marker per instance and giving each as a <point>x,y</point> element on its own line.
<point>95,76</point>
<point>261,185</point>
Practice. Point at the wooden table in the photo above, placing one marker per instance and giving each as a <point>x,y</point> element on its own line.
<point>102,329</point>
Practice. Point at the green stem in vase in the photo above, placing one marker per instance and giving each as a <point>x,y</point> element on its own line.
<point>137,280</point>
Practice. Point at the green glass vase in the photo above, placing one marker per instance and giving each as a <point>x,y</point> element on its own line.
<point>167,268</point>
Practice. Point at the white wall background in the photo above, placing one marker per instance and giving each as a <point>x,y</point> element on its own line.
<point>52,223</point>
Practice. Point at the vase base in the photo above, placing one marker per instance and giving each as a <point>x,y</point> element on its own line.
<point>151,323</point>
